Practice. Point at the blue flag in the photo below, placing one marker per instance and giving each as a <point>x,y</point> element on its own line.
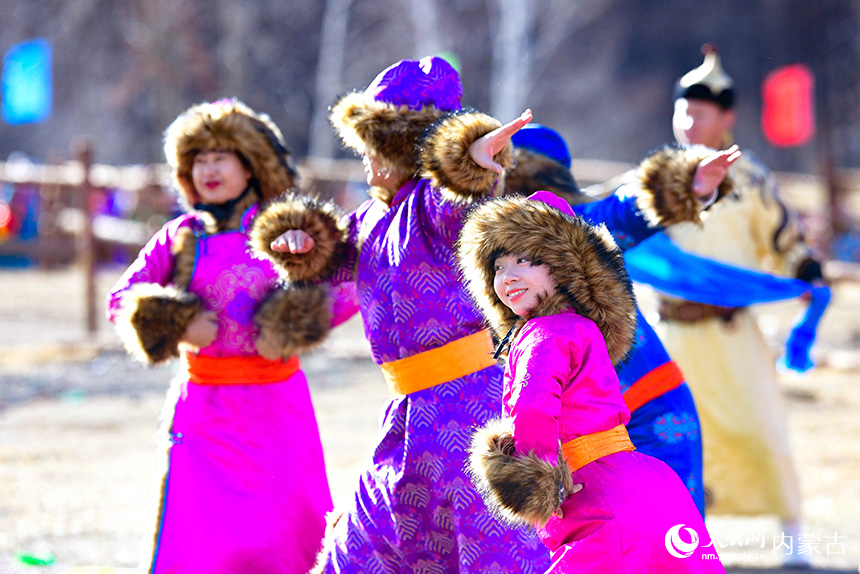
<point>27,90</point>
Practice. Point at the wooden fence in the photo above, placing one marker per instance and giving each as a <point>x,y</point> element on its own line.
<point>74,230</point>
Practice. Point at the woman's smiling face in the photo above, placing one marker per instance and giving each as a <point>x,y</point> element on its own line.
<point>219,176</point>
<point>518,283</point>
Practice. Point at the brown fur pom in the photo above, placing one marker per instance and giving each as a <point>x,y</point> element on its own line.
<point>229,125</point>
<point>317,219</point>
<point>521,488</point>
<point>666,181</point>
<point>445,156</point>
<point>584,261</point>
<point>293,319</point>
<point>152,319</point>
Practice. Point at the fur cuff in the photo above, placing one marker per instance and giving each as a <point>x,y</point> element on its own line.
<point>293,319</point>
<point>317,219</point>
<point>521,489</point>
<point>666,179</point>
<point>152,320</point>
<point>445,156</point>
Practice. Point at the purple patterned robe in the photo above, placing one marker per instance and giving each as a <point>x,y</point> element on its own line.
<point>415,509</point>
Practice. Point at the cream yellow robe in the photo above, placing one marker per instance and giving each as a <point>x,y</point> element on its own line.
<point>748,469</point>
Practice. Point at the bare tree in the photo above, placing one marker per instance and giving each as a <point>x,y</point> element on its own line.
<point>233,23</point>
<point>527,34</point>
<point>425,22</point>
<point>328,76</point>
<point>512,58</point>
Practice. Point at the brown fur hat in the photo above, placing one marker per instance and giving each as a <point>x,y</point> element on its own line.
<point>584,261</point>
<point>522,489</point>
<point>229,125</point>
<point>390,132</point>
<point>534,171</point>
<point>666,181</point>
<point>389,118</point>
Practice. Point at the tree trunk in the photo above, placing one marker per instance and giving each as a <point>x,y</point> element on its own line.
<point>512,57</point>
<point>425,21</point>
<point>321,142</point>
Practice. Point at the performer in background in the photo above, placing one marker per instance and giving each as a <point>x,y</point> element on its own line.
<point>748,467</point>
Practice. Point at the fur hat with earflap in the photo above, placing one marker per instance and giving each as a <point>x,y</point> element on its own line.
<point>390,117</point>
<point>410,119</point>
<point>523,488</point>
<point>229,125</point>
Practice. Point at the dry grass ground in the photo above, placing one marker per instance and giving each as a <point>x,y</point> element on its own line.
<point>78,420</point>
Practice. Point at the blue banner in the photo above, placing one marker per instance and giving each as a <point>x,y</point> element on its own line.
<point>660,263</point>
<point>27,91</point>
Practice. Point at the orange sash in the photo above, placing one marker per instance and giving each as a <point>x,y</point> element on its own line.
<point>253,370</point>
<point>587,448</point>
<point>456,359</point>
<point>655,383</point>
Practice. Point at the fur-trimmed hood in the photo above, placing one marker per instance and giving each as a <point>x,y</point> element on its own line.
<point>584,261</point>
<point>229,125</point>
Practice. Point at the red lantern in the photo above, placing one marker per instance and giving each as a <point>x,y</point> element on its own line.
<point>788,109</point>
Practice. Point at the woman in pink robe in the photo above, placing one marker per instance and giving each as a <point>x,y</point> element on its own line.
<point>555,291</point>
<point>243,486</point>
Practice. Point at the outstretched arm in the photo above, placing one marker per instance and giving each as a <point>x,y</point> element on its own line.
<point>464,153</point>
<point>293,241</point>
<point>302,237</point>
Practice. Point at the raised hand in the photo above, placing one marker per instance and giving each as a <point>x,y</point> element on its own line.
<point>293,241</point>
<point>486,147</point>
<point>712,170</point>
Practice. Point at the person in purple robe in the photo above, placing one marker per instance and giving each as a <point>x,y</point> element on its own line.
<point>428,162</point>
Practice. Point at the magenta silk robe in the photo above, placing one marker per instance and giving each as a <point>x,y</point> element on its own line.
<point>560,385</point>
<point>246,488</point>
<point>414,509</point>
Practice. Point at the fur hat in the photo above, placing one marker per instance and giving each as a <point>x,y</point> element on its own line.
<point>543,140</point>
<point>389,118</point>
<point>229,125</point>
<point>707,82</point>
<point>584,261</point>
<point>542,162</point>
